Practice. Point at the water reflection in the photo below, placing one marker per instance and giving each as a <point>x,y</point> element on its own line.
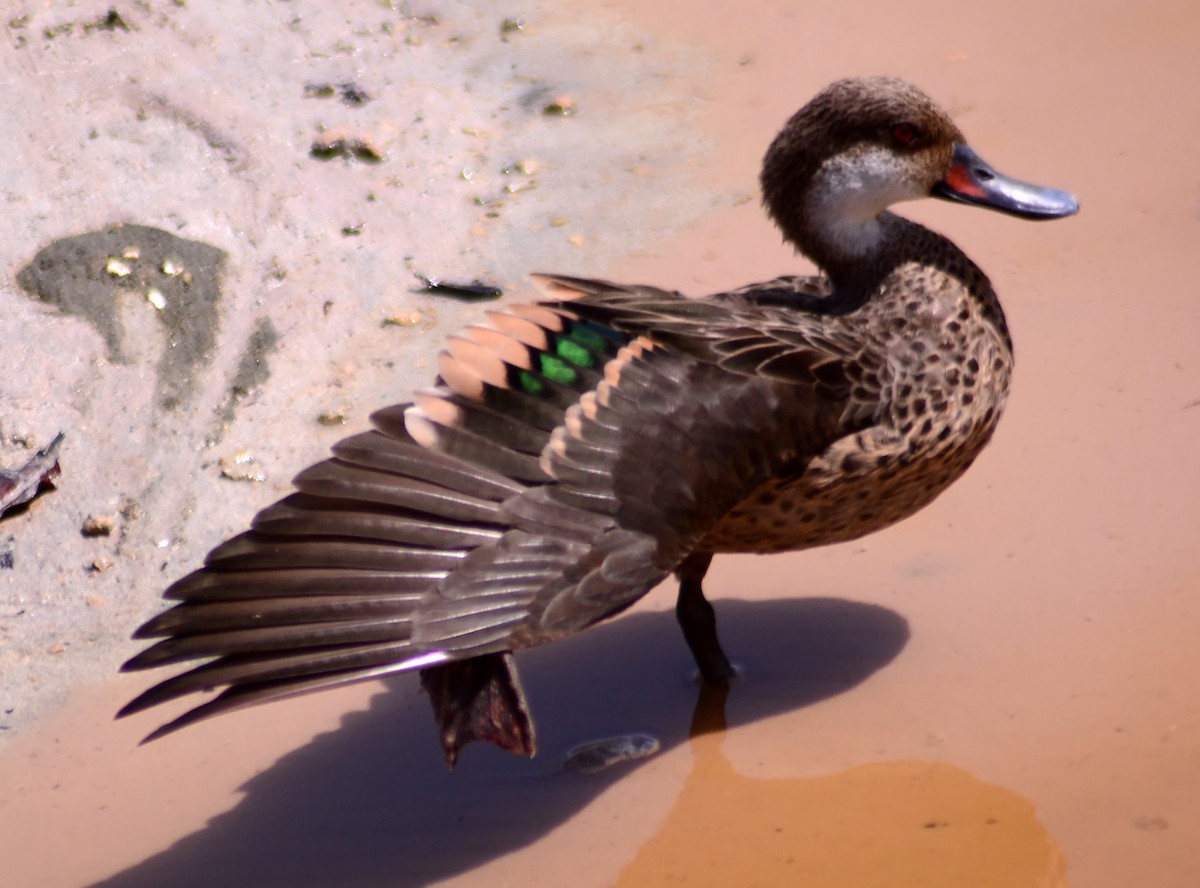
<point>902,824</point>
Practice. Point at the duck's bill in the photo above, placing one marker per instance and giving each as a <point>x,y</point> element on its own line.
<point>973,181</point>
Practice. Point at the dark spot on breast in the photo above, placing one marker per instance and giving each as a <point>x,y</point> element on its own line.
<point>944,433</point>
<point>954,327</point>
<point>786,506</point>
<point>767,498</point>
<point>808,518</point>
<point>973,366</point>
<point>920,405</point>
<point>853,462</point>
<point>927,427</point>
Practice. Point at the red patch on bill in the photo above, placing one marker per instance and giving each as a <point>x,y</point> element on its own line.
<point>960,181</point>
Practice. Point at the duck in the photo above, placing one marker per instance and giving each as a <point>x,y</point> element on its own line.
<point>574,452</point>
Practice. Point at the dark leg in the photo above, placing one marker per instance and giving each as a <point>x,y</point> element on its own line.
<point>699,622</point>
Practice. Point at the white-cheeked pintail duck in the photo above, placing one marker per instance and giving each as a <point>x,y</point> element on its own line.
<point>573,453</point>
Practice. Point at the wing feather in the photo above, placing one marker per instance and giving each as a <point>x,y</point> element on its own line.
<point>569,457</point>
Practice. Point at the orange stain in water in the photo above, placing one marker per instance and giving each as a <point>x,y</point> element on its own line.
<point>895,824</point>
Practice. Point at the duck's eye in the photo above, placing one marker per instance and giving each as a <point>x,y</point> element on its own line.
<point>905,133</point>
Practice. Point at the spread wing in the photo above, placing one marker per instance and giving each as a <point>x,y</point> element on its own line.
<point>572,454</point>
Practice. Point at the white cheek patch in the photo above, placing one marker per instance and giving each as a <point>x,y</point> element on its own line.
<point>850,190</point>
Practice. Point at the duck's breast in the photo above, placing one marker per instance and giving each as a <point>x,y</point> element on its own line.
<point>928,388</point>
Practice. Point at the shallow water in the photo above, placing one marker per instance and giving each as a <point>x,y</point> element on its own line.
<point>1000,691</point>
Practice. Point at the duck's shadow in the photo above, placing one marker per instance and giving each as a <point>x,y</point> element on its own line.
<point>372,803</point>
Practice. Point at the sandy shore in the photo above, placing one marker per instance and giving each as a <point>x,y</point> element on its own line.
<point>1000,691</point>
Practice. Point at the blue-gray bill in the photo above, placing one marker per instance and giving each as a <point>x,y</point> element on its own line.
<point>972,180</point>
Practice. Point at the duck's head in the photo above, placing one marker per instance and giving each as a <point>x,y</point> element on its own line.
<point>863,144</point>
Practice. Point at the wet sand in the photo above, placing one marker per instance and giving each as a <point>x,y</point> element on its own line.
<point>999,691</point>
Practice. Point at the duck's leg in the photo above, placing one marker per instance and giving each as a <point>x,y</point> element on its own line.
<point>699,621</point>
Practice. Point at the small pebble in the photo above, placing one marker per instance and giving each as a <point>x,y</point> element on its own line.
<point>591,758</point>
<point>340,144</point>
<point>98,525</point>
<point>563,106</point>
<point>241,467</point>
<point>117,268</point>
